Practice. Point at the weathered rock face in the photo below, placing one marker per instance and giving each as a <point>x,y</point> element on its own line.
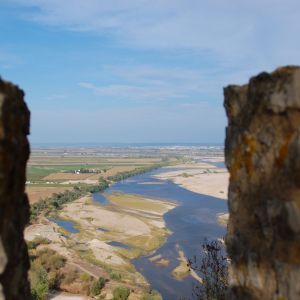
<point>263,157</point>
<point>14,207</point>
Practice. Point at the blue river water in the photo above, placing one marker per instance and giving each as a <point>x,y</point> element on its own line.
<point>193,220</point>
<point>68,225</point>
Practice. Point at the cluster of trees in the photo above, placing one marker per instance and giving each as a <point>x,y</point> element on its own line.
<point>44,273</point>
<point>57,200</point>
<point>126,174</point>
<point>85,171</point>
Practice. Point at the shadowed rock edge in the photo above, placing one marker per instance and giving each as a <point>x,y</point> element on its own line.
<point>262,152</point>
<point>14,207</point>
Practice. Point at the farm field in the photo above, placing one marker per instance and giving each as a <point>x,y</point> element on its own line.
<point>35,193</point>
<point>52,171</point>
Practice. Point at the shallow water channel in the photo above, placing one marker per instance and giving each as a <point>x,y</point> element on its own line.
<point>193,220</point>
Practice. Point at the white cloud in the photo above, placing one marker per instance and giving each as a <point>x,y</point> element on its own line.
<point>261,32</point>
<point>148,83</point>
<point>132,92</point>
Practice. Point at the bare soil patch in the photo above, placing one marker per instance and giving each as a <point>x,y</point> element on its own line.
<point>35,193</point>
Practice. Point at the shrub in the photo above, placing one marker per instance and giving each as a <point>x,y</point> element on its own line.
<point>49,259</point>
<point>121,293</point>
<point>54,279</point>
<point>45,272</point>
<point>115,275</point>
<point>37,241</point>
<point>97,286</point>
<point>39,283</point>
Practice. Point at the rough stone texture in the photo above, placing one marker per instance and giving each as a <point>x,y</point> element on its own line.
<point>263,157</point>
<point>14,207</point>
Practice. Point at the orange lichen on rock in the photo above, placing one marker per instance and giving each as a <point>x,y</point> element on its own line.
<point>262,153</point>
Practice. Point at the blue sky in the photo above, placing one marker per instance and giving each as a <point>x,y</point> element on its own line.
<point>139,71</point>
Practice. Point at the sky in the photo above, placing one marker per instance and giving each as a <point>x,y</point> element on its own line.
<point>98,71</point>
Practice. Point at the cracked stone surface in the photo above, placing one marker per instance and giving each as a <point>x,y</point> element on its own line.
<point>262,152</point>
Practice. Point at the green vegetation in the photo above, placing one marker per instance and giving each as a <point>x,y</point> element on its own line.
<point>126,174</point>
<point>35,173</point>
<point>136,202</point>
<point>48,272</point>
<point>44,273</point>
<point>57,200</point>
<point>37,241</point>
<point>97,286</point>
<point>84,171</point>
<point>115,275</point>
<point>121,293</point>
<point>39,283</point>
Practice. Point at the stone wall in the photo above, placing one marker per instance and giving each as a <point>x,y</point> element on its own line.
<point>14,207</point>
<point>263,157</point>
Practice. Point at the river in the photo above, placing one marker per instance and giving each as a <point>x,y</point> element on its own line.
<point>193,220</point>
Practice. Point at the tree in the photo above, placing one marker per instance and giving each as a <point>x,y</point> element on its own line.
<point>213,269</point>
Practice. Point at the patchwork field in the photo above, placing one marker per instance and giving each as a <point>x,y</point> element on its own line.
<point>54,171</point>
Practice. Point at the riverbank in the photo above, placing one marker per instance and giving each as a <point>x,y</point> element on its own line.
<point>102,240</point>
<point>201,178</point>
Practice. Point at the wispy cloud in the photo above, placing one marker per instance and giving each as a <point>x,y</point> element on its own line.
<point>148,83</point>
<point>255,32</point>
<point>131,92</point>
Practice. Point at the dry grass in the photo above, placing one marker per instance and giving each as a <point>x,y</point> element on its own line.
<point>68,176</point>
<point>35,193</point>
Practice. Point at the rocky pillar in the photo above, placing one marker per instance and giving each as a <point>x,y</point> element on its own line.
<point>263,157</point>
<point>14,207</point>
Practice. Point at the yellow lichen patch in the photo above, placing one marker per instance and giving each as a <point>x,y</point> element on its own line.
<point>243,157</point>
<point>236,163</point>
<point>283,150</point>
